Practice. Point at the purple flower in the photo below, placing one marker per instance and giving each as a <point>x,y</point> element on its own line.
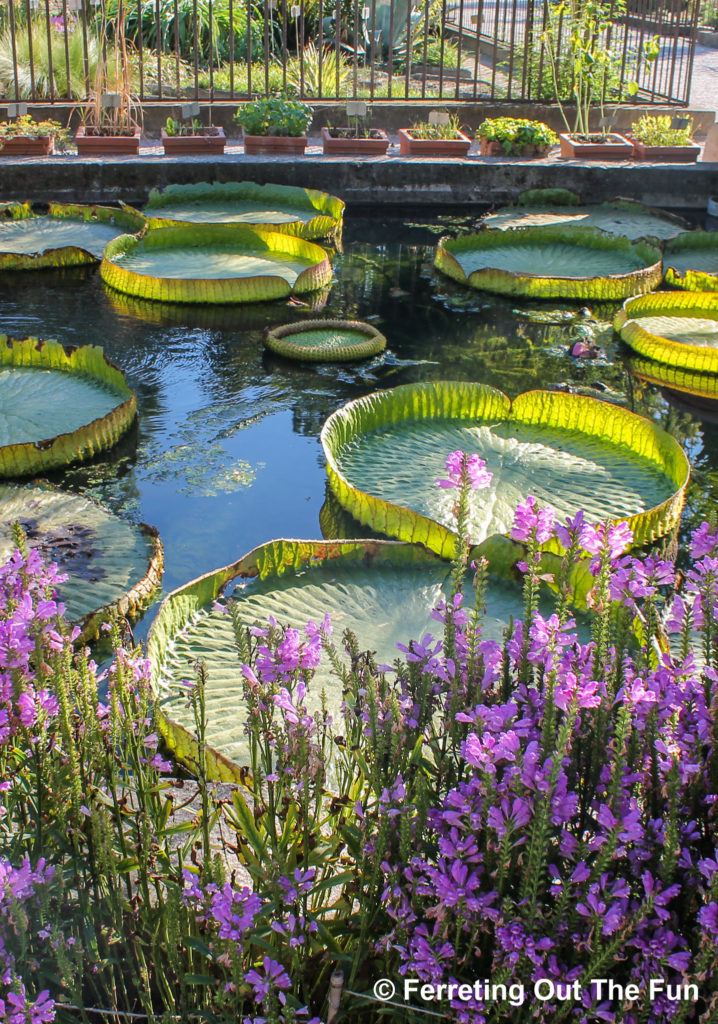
<point>461,468</point>
<point>266,977</point>
<point>532,522</point>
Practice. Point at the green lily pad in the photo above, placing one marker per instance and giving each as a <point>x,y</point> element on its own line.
<point>622,217</point>
<point>575,263</point>
<point>679,328</point>
<point>66,235</point>
<point>697,385</point>
<point>325,340</point>
<point>384,592</point>
<point>285,208</point>
<point>690,261</point>
<point>214,263</point>
<point>112,565</point>
<point>384,453</point>
<point>58,405</point>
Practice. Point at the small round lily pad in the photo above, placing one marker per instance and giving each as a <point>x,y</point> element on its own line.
<point>58,405</point>
<point>325,340</point>
<point>112,565</point>
<point>677,328</point>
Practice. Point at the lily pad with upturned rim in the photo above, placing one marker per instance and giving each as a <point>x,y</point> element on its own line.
<point>220,263</point>
<point>703,386</point>
<point>325,340</point>
<point>576,263</point>
<point>58,405</point>
<point>113,566</point>
<point>385,451</point>
<point>67,235</point>
<point>304,212</point>
<point>383,591</point>
<point>620,217</point>
<point>690,261</point>
<point>678,328</point>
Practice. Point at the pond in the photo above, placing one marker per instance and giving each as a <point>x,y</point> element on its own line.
<point>226,454</point>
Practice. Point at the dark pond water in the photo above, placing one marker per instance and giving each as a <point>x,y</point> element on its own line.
<point>226,453</point>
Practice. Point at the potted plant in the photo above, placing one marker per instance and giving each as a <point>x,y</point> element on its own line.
<point>661,138</point>
<point>515,136</point>
<point>434,138</point>
<point>110,116</point>
<point>357,138</point>
<point>181,137</point>
<point>587,27</point>
<point>274,125</point>
<point>27,137</point>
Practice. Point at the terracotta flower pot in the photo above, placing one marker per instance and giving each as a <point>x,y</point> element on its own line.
<point>495,148</point>
<point>28,145</point>
<point>348,144</point>
<point>665,154</point>
<point>212,141</point>
<point>409,146</point>
<point>275,145</point>
<point>107,145</point>
<point>614,147</point>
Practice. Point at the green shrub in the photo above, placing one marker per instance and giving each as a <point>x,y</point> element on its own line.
<point>274,116</point>
<point>45,57</point>
<point>657,131</point>
<point>516,132</point>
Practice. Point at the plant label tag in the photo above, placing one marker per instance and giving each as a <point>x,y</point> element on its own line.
<point>474,19</point>
<point>438,117</point>
<point>365,12</point>
<point>110,99</point>
<point>356,108</point>
<point>189,110</point>
<point>16,109</point>
<point>295,10</point>
<point>680,121</point>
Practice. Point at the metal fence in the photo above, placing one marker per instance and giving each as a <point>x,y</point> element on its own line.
<point>414,50</point>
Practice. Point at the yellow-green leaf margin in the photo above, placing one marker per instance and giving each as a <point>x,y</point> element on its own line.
<point>231,289</point>
<point>286,340</point>
<point>477,403</point>
<point>700,359</point>
<point>508,282</point>
<point>698,385</point>
<point>692,280</point>
<point>327,210</point>
<point>127,219</point>
<point>30,457</point>
<point>270,559</point>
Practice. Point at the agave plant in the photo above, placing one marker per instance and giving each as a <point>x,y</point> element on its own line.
<point>319,72</point>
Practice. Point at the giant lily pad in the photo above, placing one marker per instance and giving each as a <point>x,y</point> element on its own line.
<point>65,236</point>
<point>112,565</point>
<point>384,592</point>
<point>680,328</point>
<point>285,208</point>
<point>325,340</point>
<point>214,263</point>
<point>691,261</point>
<point>575,263</point>
<point>385,451</point>
<point>675,381</point>
<point>621,217</point>
<point>58,405</point>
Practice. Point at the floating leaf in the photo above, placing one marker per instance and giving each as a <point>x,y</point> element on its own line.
<point>112,565</point>
<point>58,405</point>
<point>66,235</point>
<point>325,340</point>
<point>621,217</point>
<point>385,451</point>
<point>214,263</point>
<point>680,328</point>
<point>690,261</point>
<point>285,208</point>
<point>576,263</point>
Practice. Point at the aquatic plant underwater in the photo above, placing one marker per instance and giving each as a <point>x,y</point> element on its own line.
<point>532,821</point>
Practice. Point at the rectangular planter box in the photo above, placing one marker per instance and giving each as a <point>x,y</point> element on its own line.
<point>191,145</point>
<point>665,154</point>
<point>28,145</point>
<point>350,145</point>
<point>616,147</point>
<point>494,148</point>
<point>275,145</point>
<point>409,146</point>
<point>107,145</point>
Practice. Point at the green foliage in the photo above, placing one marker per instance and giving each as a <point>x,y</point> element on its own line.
<point>516,132</point>
<point>657,131</point>
<point>424,130</point>
<point>174,30</point>
<point>27,126</point>
<point>194,127</point>
<point>41,80</point>
<point>319,72</point>
<point>709,14</point>
<point>438,52</point>
<point>274,116</point>
<point>236,77</point>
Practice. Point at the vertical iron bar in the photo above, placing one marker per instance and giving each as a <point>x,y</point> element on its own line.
<point>85,55</point>
<point>390,51</point>
<point>210,12</point>
<point>528,51</point>
<point>338,16</point>
<point>441,49</point>
<point>13,43</point>
<point>512,44</point>
<point>267,17</point>
<point>355,62</point>
<point>141,52</point>
<point>177,49</point>
<point>195,42</point>
<point>50,68</point>
<point>285,51</point>
<point>299,32</point>
<point>67,49</point>
<point>320,48</point>
<point>542,50</point>
<point>458,54</point>
<point>372,43</point>
<point>30,48</point>
<point>495,51</point>
<point>231,46</point>
<point>477,48</point>
<point>426,48</point>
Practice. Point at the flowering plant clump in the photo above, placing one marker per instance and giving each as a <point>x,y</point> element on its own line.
<point>519,828</point>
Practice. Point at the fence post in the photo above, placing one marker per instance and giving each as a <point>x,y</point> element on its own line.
<point>336,983</point>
